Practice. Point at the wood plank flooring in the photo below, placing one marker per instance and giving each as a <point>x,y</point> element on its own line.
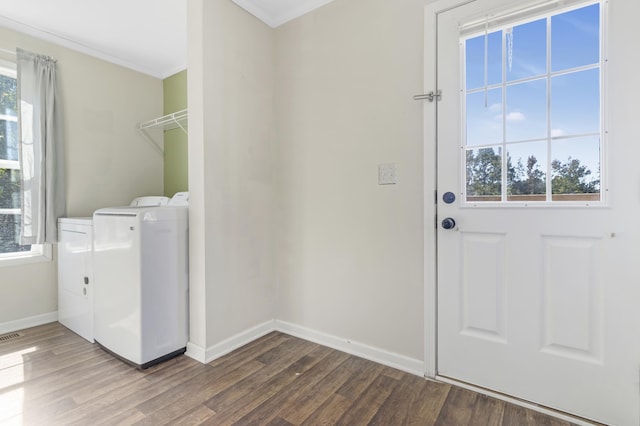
<point>51,376</point>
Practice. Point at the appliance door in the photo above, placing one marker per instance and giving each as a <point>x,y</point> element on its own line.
<point>117,272</point>
<point>75,278</point>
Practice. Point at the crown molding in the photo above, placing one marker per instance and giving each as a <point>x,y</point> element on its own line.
<point>73,45</point>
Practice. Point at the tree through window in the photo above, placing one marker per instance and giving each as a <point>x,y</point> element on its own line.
<point>532,97</point>
<point>9,167</point>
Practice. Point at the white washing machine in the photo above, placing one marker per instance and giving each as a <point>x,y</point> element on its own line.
<point>141,279</point>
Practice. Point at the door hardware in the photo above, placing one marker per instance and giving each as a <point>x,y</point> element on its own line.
<point>431,96</point>
<point>448,223</point>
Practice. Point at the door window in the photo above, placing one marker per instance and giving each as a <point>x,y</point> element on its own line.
<point>532,97</point>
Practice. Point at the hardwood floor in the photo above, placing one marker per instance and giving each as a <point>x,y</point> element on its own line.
<point>50,376</point>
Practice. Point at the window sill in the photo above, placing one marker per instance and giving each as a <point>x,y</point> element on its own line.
<point>13,259</point>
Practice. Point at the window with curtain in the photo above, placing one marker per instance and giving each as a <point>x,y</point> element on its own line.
<point>10,210</point>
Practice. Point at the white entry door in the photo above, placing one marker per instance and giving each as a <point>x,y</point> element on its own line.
<point>539,202</point>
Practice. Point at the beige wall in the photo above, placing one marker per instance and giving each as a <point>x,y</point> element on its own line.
<point>107,162</point>
<point>27,291</point>
<point>336,86</point>
<point>351,251</point>
<point>231,162</point>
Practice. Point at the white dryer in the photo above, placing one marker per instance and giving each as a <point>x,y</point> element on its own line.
<point>141,279</point>
<point>75,276</point>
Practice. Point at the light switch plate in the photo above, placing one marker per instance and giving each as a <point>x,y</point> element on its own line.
<point>387,174</point>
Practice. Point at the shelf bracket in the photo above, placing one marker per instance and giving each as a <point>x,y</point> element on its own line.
<point>176,120</point>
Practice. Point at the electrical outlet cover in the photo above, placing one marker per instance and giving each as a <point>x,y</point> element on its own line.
<point>387,174</point>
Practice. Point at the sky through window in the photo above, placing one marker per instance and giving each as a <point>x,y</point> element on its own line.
<point>535,93</point>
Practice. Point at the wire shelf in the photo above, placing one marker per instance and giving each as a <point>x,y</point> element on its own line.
<point>178,119</point>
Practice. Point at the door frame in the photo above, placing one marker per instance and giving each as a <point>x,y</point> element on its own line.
<point>430,171</point>
<point>430,222</point>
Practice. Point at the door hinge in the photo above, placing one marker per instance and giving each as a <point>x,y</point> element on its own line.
<point>431,96</point>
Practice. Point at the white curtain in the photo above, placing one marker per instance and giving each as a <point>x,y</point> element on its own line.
<point>41,155</point>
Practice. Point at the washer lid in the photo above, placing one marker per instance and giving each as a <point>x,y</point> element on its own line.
<point>149,201</point>
<point>180,199</point>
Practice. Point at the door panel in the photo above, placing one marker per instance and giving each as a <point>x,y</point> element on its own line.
<point>536,300</point>
<point>572,297</point>
<point>484,313</point>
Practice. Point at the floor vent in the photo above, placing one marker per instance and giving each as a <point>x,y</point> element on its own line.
<point>10,336</point>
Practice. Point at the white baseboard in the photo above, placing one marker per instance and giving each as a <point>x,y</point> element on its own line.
<point>390,359</point>
<point>196,352</point>
<point>34,321</point>
<point>232,343</point>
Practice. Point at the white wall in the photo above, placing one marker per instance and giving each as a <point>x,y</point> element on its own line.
<point>231,180</point>
<point>351,251</point>
<point>106,161</point>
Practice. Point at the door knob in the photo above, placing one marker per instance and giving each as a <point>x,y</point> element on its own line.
<point>448,223</point>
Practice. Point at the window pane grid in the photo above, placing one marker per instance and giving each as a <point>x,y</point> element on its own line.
<point>9,164</point>
<point>558,123</point>
<point>532,78</point>
<point>10,235</point>
<point>9,117</point>
<point>10,212</point>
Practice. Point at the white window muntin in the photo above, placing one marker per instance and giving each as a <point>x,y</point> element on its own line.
<point>38,252</point>
<point>500,22</point>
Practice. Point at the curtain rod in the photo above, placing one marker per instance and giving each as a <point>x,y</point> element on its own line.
<point>10,52</point>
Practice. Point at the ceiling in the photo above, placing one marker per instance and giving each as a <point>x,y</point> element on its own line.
<point>277,12</point>
<point>149,36</point>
